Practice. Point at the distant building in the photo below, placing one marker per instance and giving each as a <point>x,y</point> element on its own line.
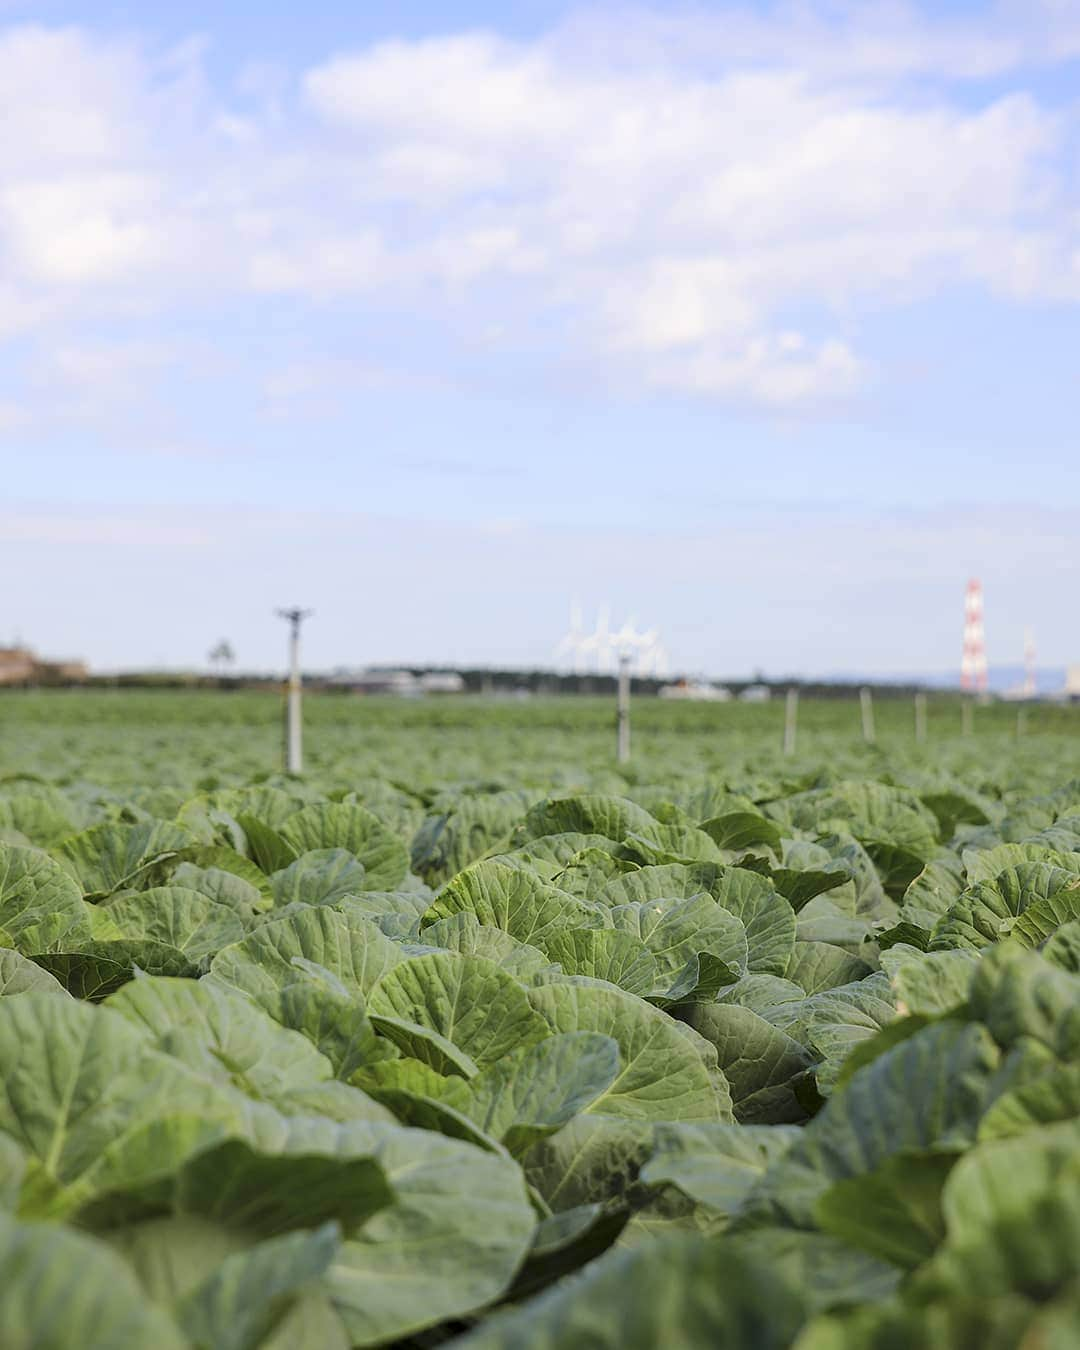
<point>697,691</point>
<point>401,682</point>
<point>1072,682</point>
<point>756,693</point>
<point>441,682</point>
<point>17,665</point>
<point>21,665</point>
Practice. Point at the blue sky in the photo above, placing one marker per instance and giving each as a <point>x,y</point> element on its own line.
<point>760,323</point>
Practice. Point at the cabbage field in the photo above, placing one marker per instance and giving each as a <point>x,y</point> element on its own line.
<point>466,1038</point>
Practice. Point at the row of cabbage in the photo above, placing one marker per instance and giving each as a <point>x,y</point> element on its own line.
<point>752,1066</point>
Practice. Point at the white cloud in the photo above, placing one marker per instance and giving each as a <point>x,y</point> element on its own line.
<point>12,415</point>
<point>659,191</point>
<point>326,266</point>
<point>780,371</point>
<point>81,229</point>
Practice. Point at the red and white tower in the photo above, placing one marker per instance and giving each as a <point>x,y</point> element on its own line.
<point>973,664</point>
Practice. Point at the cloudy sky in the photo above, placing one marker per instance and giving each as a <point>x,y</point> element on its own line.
<point>758,321</point>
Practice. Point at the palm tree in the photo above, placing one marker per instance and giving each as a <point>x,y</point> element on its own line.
<point>222,656</point>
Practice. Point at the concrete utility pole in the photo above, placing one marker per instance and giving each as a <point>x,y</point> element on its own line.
<point>791,720</point>
<point>920,718</point>
<point>866,702</point>
<point>622,711</point>
<point>294,753</point>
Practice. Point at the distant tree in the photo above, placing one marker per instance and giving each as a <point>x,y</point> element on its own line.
<point>222,656</point>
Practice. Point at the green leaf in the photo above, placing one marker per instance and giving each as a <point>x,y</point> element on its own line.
<point>98,969</point>
<point>1051,1097</point>
<point>589,872</point>
<point>226,1039</point>
<point>108,857</point>
<point>1017,993</point>
<point>767,917</point>
<point>929,982</point>
<point>64,1289</point>
<point>760,993</point>
<point>620,958</point>
<point>221,1035</point>
<point>332,825</point>
<point>470,828</point>
<point>395,913</point>
<point>224,875</point>
<point>761,1064</point>
<point>89,1102</point>
<point>893,1212</point>
<point>1012,1211</point>
<point>418,1042</point>
<point>740,831</point>
<point>464,933</point>
<point>677,1292</point>
<point>838,1020</point>
<point>663,1075</point>
<point>265,846</point>
<point>817,966</point>
<point>266,1188</point>
<point>988,864</point>
<point>564,1243</point>
<point>716,1165</point>
<point>321,877</point>
<point>41,820</point>
<point>871,812</point>
<point>988,911</point>
<point>669,881</point>
<point>539,1088</point>
<point>829,919</point>
<point>422,1095</point>
<point>226,888</point>
<point>932,892</point>
<point>459,1228</point>
<point>700,981</point>
<point>1063,947</point>
<point>551,854</point>
<point>924,1095</point>
<point>612,817</point>
<point>12,1171</point>
<point>676,931</point>
<point>808,870</point>
<point>270,805</point>
<point>658,844</point>
<point>352,949</point>
<point>18,975</point>
<point>39,902</point>
<point>827,1272</point>
<point>334,1020</point>
<point>502,896</point>
<point>176,917</point>
<point>1043,918</point>
<point>469,1002</point>
<point>595,1159</point>
<point>242,1302</point>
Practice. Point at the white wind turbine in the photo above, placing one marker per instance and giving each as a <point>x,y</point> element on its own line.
<point>601,649</point>
<point>652,659</point>
<point>571,647</point>
<point>597,644</point>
